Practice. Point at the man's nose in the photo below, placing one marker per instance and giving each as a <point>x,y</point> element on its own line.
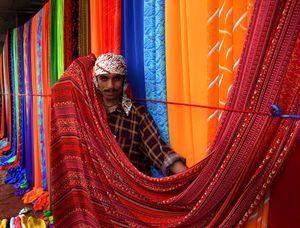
<point>110,83</point>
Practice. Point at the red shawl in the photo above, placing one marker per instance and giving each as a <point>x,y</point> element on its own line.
<point>94,184</point>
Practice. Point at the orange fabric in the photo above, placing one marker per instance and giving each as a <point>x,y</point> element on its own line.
<point>186,73</point>
<point>31,196</point>
<point>37,157</point>
<point>105,21</point>
<point>260,217</point>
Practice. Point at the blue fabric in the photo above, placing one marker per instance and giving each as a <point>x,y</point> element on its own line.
<point>22,109</point>
<point>40,101</point>
<point>29,123</point>
<point>132,44</point>
<point>155,63</point>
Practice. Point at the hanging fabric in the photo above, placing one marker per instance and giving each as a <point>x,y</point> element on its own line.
<point>132,47</point>
<point>105,18</point>
<point>155,63</point>
<point>186,68</point>
<point>84,35</point>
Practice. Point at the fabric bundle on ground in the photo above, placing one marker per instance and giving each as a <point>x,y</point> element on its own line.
<point>95,184</point>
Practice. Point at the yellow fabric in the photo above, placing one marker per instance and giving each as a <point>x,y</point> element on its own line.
<point>60,38</point>
<point>3,223</point>
<point>32,222</point>
<point>35,223</point>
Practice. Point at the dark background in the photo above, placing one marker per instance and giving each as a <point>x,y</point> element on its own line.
<point>14,13</point>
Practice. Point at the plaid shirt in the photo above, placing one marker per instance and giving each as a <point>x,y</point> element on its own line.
<point>139,138</point>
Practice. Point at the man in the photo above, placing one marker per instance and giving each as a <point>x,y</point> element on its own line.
<point>131,123</point>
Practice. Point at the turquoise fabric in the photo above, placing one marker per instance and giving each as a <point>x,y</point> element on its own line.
<point>155,63</point>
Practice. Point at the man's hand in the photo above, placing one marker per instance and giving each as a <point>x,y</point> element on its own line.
<point>178,167</point>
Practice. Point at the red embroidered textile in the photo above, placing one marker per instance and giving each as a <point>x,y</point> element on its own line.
<point>95,185</point>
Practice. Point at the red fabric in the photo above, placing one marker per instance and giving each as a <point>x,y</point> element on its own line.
<point>68,49</point>
<point>8,104</point>
<point>285,191</point>
<point>95,185</point>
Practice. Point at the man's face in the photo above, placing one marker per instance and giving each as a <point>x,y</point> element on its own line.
<point>111,86</point>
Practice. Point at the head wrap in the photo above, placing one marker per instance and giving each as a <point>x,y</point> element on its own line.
<point>111,63</point>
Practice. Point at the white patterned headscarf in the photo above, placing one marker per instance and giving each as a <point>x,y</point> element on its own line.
<point>111,63</point>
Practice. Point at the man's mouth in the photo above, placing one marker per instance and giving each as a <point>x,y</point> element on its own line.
<point>110,92</point>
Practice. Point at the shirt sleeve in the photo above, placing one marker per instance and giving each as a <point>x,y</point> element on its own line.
<point>158,152</point>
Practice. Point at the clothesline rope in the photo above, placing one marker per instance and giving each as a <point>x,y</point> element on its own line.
<point>276,110</point>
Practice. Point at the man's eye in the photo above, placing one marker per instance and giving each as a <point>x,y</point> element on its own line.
<point>103,78</point>
<point>117,78</point>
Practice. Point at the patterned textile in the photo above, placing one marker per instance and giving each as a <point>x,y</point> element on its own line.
<point>146,147</point>
<point>155,63</point>
<point>94,184</point>
<point>110,63</point>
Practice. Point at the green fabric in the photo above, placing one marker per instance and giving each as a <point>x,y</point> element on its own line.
<point>12,159</point>
<point>60,37</point>
<point>48,213</point>
<point>24,184</point>
<point>53,44</point>
<point>16,77</point>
